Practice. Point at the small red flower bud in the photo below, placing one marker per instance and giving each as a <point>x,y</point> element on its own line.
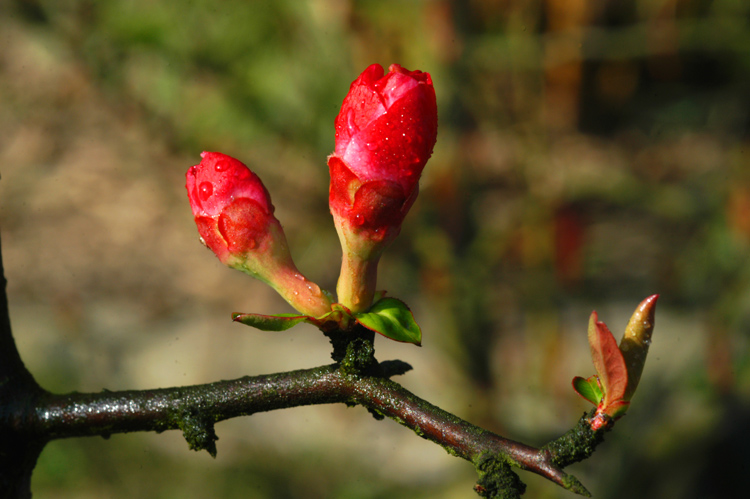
<point>385,134</point>
<point>231,206</point>
<point>234,215</point>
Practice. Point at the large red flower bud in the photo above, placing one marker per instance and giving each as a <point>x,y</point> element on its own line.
<point>385,134</point>
<point>234,215</point>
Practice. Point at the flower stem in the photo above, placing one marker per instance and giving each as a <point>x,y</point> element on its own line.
<point>301,293</point>
<point>356,286</point>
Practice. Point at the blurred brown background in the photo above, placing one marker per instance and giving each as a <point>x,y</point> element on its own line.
<point>590,153</point>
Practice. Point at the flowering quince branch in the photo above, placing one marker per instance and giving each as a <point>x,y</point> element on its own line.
<point>385,134</point>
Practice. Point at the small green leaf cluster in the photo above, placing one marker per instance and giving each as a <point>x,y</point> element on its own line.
<point>389,317</point>
<point>618,368</point>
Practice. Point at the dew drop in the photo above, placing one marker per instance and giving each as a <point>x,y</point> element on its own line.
<point>350,121</point>
<point>205,190</point>
<point>359,219</point>
<point>221,166</point>
<point>646,324</point>
<point>314,291</point>
<point>371,146</point>
<point>647,341</point>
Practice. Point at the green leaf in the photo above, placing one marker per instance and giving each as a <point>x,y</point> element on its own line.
<point>393,319</point>
<point>588,388</point>
<point>608,360</point>
<point>280,322</point>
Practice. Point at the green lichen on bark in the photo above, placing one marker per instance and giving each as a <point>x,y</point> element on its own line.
<point>360,356</point>
<point>353,349</point>
<point>197,430</point>
<point>577,444</point>
<point>496,479</point>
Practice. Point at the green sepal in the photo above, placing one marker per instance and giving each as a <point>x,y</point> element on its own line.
<point>393,319</point>
<point>589,389</point>
<point>280,322</point>
<point>339,315</point>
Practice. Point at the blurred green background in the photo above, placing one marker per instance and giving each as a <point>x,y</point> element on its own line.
<point>590,153</point>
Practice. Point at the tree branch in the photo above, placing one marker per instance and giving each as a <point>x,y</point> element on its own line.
<point>18,389</point>
<point>195,409</point>
<point>30,417</point>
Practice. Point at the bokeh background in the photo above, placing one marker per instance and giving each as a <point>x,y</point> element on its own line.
<point>590,153</point>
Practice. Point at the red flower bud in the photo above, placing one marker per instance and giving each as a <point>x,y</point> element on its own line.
<point>234,215</point>
<point>231,206</point>
<point>385,133</point>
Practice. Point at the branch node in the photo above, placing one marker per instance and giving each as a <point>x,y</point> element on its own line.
<point>360,353</point>
<point>198,431</point>
<point>576,444</point>
<point>496,479</point>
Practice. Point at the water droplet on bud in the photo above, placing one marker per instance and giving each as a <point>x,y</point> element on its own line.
<point>359,219</point>
<point>372,146</point>
<point>221,166</point>
<point>205,190</point>
<point>350,121</point>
